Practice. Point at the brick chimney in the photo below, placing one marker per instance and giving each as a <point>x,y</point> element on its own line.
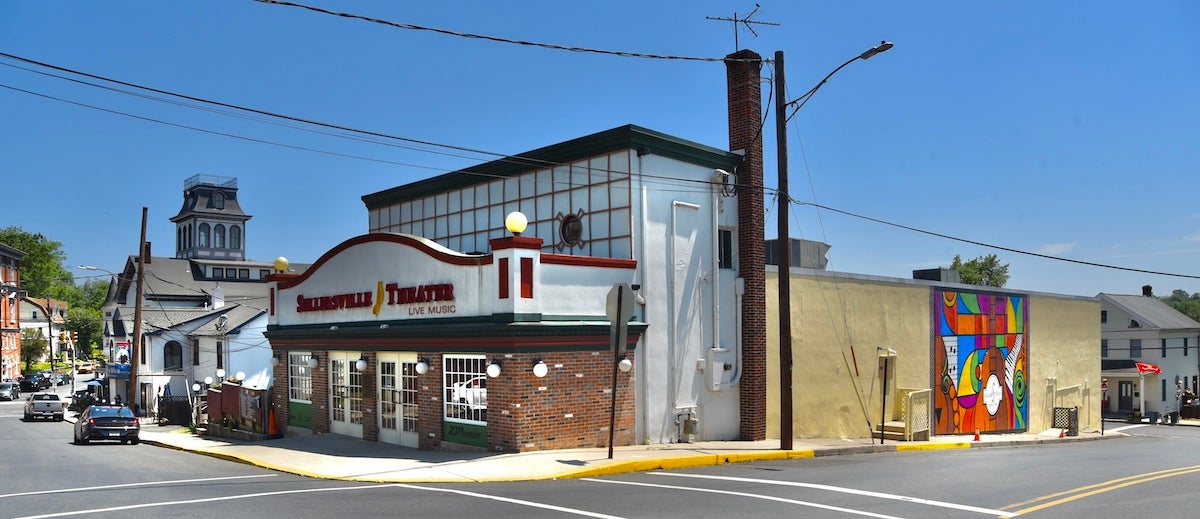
<point>743,70</point>
<point>1147,290</point>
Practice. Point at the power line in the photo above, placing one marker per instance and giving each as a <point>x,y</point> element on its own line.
<point>515,159</point>
<point>993,246</point>
<point>498,39</point>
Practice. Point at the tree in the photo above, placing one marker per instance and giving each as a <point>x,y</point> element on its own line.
<point>33,347</point>
<point>1188,305</point>
<point>90,327</point>
<point>984,270</point>
<point>42,273</point>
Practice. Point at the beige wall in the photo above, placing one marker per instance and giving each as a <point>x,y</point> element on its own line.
<point>838,322</point>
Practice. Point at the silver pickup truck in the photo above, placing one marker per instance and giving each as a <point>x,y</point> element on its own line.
<point>45,405</point>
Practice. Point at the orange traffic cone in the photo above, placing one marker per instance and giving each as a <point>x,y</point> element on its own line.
<point>976,434</point>
<point>272,429</point>
<point>1062,433</point>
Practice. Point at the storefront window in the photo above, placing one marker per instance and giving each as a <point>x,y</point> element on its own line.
<point>465,388</point>
<point>299,377</point>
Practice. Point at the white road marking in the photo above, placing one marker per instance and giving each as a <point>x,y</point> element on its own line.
<point>575,511</point>
<point>127,485</point>
<point>745,494</point>
<point>194,501</point>
<point>845,490</point>
<point>302,491</point>
<point>1127,427</point>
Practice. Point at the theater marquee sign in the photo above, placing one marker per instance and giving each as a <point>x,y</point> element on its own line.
<point>414,301</point>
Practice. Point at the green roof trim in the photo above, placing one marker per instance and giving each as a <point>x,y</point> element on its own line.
<point>628,137</point>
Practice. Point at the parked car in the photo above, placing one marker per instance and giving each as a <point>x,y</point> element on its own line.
<point>35,382</point>
<point>10,391</point>
<point>61,379</point>
<point>472,392</point>
<point>107,422</point>
<point>85,367</point>
<point>45,405</point>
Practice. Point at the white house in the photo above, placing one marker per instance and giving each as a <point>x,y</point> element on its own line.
<point>1146,349</point>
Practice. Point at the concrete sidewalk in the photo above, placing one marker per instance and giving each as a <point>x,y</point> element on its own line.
<point>330,456</point>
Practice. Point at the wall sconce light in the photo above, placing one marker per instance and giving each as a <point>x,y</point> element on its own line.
<point>196,387</point>
<point>221,373</point>
<point>274,361</point>
<point>422,366</point>
<point>208,381</point>
<point>361,364</point>
<point>493,369</point>
<point>384,326</point>
<point>516,222</point>
<point>625,365</point>
<point>313,361</point>
<point>281,264</point>
<point>540,369</point>
<point>241,375</point>
<point>334,327</point>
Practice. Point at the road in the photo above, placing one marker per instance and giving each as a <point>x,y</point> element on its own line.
<point>1151,472</point>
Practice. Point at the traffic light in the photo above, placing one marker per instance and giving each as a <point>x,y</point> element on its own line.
<point>62,336</point>
<point>74,337</point>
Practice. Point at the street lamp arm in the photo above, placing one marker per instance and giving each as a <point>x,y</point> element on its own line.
<point>867,54</point>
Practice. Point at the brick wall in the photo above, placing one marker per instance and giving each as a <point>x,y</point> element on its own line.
<point>320,393</point>
<point>743,71</point>
<point>279,390</point>
<point>566,409</point>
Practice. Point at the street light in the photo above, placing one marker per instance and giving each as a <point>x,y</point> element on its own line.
<point>783,244</point>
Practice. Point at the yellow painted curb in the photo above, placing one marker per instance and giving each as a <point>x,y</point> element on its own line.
<point>933,446</point>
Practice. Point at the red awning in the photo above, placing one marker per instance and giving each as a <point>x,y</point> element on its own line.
<point>1148,368</point>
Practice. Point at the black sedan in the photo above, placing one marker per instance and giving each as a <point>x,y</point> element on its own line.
<point>107,422</point>
<point>35,382</point>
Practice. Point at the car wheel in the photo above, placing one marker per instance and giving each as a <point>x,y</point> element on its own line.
<point>134,441</point>
<point>123,442</point>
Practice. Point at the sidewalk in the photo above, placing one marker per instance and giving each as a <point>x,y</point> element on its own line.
<point>330,456</point>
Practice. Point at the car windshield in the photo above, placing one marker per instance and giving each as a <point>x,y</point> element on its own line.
<point>110,410</point>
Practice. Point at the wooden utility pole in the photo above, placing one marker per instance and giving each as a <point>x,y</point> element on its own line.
<point>132,385</point>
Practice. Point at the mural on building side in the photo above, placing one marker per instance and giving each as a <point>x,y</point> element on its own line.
<point>981,362</point>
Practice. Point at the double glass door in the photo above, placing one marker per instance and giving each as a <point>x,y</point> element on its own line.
<point>398,398</point>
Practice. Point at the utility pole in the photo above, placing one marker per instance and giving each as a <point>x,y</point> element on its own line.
<point>131,385</point>
<point>784,253</point>
<point>784,242</point>
<point>50,335</point>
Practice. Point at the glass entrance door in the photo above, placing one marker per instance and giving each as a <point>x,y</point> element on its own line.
<point>345,394</point>
<point>398,398</point>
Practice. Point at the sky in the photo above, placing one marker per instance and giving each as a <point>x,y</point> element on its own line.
<point>1023,129</point>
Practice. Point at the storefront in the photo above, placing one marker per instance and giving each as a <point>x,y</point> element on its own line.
<point>391,337</point>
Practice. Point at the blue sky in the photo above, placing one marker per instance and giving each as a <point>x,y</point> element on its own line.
<point>1065,128</point>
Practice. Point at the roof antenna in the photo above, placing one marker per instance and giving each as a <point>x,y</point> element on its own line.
<point>745,21</point>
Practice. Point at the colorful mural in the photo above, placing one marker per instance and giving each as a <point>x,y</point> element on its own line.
<point>981,362</point>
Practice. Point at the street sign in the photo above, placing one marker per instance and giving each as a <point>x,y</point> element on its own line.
<point>1104,387</point>
<point>619,309</point>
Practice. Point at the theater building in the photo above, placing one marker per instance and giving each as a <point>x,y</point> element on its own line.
<point>442,327</point>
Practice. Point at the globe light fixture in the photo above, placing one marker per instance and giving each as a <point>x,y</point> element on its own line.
<point>493,370</point>
<point>625,365</point>
<point>281,264</point>
<point>196,387</point>
<point>274,361</point>
<point>516,223</point>
<point>422,367</point>
<point>208,381</point>
<point>241,375</point>
<point>312,362</point>
<point>540,369</point>
<point>220,373</point>
<point>361,363</point>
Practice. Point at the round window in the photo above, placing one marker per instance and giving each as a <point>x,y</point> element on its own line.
<point>571,230</point>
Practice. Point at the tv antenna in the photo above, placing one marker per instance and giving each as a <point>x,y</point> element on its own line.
<point>747,22</point>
